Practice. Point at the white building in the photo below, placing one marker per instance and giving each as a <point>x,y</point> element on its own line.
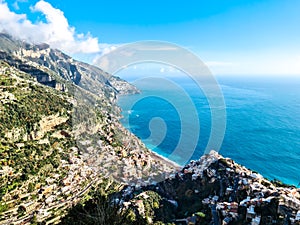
<point>298,216</point>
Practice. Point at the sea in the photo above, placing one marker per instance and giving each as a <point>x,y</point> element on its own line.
<point>262,120</point>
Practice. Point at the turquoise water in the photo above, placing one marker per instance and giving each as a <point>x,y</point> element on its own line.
<point>263,121</point>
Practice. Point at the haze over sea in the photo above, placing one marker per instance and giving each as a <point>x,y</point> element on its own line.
<point>263,121</point>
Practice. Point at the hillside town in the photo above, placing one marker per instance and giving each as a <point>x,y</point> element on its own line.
<point>47,163</point>
<point>227,193</point>
<point>45,200</point>
<point>50,161</point>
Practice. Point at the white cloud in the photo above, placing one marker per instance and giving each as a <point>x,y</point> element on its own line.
<point>103,49</point>
<point>106,48</point>
<point>56,31</point>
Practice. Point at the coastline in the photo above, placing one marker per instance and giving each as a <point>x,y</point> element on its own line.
<point>163,159</point>
<point>245,148</point>
<point>156,156</point>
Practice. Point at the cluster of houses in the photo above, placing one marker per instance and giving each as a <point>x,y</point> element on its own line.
<point>82,169</point>
<point>56,194</point>
<point>241,193</point>
<point>238,194</point>
<point>234,180</point>
<point>128,163</point>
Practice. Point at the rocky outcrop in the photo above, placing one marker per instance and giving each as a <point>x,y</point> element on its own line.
<point>52,67</point>
<point>59,142</point>
<point>215,190</point>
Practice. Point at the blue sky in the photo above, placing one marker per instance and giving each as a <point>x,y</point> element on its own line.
<point>232,36</point>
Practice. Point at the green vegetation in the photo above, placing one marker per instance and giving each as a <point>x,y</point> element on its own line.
<point>3,208</point>
<point>49,137</point>
<point>37,126</point>
<point>25,161</point>
<point>29,106</point>
<point>101,210</point>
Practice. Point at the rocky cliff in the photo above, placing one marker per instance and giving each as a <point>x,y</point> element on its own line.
<point>52,67</point>
<point>212,190</point>
<point>60,134</point>
<point>64,156</point>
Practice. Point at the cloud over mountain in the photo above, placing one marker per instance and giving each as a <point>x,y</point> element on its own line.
<point>55,30</point>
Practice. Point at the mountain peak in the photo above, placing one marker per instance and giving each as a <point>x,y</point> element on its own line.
<point>53,67</point>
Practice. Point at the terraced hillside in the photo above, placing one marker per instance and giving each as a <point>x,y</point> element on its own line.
<point>60,135</point>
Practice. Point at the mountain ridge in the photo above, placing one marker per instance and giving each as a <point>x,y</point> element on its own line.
<point>61,144</point>
<point>87,76</point>
<point>61,135</point>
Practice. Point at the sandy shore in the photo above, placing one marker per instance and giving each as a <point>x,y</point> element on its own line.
<point>164,160</point>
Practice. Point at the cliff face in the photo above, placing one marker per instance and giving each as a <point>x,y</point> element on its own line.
<point>52,67</point>
<point>59,133</point>
<point>61,142</point>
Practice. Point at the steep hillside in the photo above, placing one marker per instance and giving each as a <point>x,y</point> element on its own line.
<point>62,145</point>
<point>210,191</point>
<point>60,135</point>
<point>50,65</point>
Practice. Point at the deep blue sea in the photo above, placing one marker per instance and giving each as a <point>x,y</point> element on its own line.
<point>262,124</point>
